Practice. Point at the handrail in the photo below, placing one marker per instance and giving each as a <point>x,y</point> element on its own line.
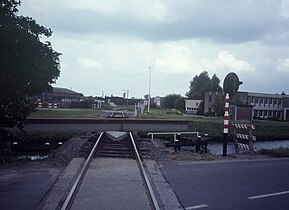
<point>174,133</point>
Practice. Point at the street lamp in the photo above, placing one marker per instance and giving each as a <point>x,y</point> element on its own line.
<point>126,95</point>
<point>149,96</point>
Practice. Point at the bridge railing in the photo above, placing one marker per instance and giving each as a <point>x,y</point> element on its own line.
<point>173,133</point>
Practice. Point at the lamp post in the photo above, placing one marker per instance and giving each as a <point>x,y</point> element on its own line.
<point>125,94</point>
<point>149,96</point>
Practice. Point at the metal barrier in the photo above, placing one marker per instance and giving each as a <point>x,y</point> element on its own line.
<point>173,133</point>
<point>200,143</point>
<point>244,141</point>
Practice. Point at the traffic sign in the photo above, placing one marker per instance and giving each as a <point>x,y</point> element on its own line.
<point>231,84</point>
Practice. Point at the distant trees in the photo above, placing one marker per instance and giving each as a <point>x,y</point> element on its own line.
<point>203,83</point>
<point>174,101</point>
<point>28,66</point>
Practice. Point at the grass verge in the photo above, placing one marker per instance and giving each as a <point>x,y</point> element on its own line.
<point>280,152</point>
<point>65,113</point>
<point>188,155</point>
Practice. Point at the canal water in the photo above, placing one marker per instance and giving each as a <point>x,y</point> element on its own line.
<point>217,148</point>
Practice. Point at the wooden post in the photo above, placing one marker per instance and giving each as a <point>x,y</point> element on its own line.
<point>251,148</point>
<point>235,140</point>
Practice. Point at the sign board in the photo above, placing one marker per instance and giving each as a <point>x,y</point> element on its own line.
<point>231,84</point>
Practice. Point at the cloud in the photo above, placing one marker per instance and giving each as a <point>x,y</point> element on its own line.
<point>174,59</point>
<point>90,64</point>
<point>283,65</point>
<point>285,8</point>
<point>118,40</point>
<point>227,62</point>
<point>154,10</point>
<point>155,20</point>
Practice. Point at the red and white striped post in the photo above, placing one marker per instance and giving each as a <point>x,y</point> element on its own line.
<point>226,124</point>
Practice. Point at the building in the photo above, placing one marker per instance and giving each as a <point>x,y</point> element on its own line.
<point>192,106</point>
<point>157,100</point>
<point>210,101</point>
<point>263,105</point>
<point>241,112</point>
<point>58,98</point>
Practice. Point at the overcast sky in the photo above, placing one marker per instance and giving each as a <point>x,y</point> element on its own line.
<point>109,45</point>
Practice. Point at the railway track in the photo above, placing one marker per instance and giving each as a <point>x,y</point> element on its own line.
<point>106,146</point>
<point>118,114</point>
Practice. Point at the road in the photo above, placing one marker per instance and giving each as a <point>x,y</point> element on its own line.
<point>23,184</point>
<point>262,184</point>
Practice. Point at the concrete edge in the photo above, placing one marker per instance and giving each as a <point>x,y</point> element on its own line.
<point>61,186</point>
<point>164,191</point>
<point>191,162</point>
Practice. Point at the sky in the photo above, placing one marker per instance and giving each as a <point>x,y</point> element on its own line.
<point>108,46</point>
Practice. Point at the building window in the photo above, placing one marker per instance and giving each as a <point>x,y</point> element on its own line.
<point>250,101</point>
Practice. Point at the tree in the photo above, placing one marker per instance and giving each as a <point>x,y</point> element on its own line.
<point>28,66</point>
<point>171,101</point>
<point>179,103</point>
<point>215,84</point>
<point>201,84</point>
<point>219,106</point>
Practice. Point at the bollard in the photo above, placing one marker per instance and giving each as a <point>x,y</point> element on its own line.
<point>198,144</point>
<point>177,146</point>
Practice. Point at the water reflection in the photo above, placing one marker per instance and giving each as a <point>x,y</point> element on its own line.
<point>217,148</point>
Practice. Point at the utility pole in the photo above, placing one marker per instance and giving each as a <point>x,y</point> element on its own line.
<point>149,96</point>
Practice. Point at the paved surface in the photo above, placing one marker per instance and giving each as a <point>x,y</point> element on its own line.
<point>23,185</point>
<point>167,198</point>
<point>230,185</point>
<point>112,184</point>
<point>58,191</point>
<point>117,184</point>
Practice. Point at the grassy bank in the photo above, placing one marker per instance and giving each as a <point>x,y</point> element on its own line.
<point>281,152</point>
<point>265,130</point>
<point>213,126</point>
<point>65,113</point>
<point>162,114</point>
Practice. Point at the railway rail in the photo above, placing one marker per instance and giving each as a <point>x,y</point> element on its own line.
<point>118,114</point>
<point>107,147</point>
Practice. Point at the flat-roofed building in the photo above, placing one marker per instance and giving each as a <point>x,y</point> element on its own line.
<point>192,106</point>
<point>58,98</point>
<point>264,105</point>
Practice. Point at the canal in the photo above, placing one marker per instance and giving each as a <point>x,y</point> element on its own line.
<point>217,148</point>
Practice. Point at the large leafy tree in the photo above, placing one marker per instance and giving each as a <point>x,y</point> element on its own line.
<point>175,101</point>
<point>28,65</point>
<point>203,83</point>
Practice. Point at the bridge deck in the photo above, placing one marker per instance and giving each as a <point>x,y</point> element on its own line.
<point>96,125</point>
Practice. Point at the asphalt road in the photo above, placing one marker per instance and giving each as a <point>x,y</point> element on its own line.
<point>230,185</point>
<point>23,185</point>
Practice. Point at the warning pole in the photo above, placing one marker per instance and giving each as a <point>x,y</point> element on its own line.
<point>226,124</point>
